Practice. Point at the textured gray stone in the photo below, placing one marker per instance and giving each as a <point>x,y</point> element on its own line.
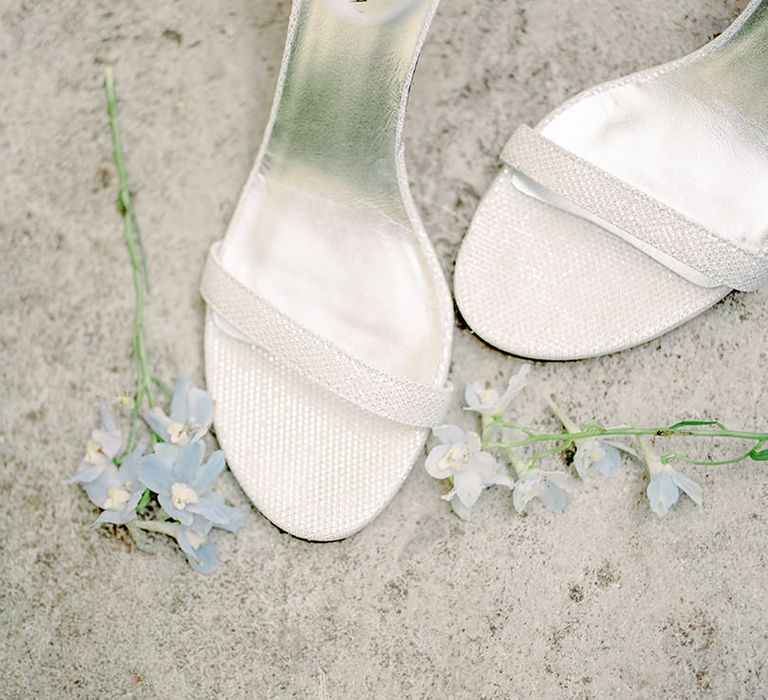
<point>604,601</point>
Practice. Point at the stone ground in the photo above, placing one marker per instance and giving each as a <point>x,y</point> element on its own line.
<point>606,600</point>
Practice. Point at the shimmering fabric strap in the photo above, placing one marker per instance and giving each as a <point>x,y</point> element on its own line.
<point>397,398</point>
<point>642,217</point>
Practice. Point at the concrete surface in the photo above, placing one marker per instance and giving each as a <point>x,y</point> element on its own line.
<point>604,601</point>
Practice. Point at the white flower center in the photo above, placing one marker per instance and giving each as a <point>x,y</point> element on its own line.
<point>595,453</point>
<point>178,432</point>
<point>181,495</point>
<point>488,397</point>
<point>93,452</point>
<point>456,458</point>
<point>124,401</point>
<point>116,499</point>
<point>196,539</point>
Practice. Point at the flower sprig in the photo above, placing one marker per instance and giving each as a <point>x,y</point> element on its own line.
<point>168,489</point>
<point>146,380</point>
<point>511,455</point>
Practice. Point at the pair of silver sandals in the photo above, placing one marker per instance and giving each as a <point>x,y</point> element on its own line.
<point>626,212</point>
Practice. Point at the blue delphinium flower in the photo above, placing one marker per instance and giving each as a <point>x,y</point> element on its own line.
<point>183,485</point>
<point>201,552</point>
<point>596,453</point>
<point>601,455</point>
<point>116,490</point>
<point>105,443</point>
<point>487,401</point>
<point>549,487</point>
<point>460,458</point>
<point>191,415</point>
<point>666,483</point>
<point>665,486</point>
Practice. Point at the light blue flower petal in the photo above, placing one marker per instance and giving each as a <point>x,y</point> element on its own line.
<point>200,525</point>
<point>552,496</point>
<point>559,479</point>
<point>108,422</point>
<point>521,497</point>
<point>493,473</point>
<point>485,464</point>
<point>449,434</point>
<point>468,485</point>
<point>200,406</point>
<point>470,393</point>
<point>204,559</point>
<point>183,539</point>
<point>133,501</point>
<point>460,509</point>
<point>501,478</point>
<point>156,474</point>
<point>472,398</point>
<point>98,489</point>
<point>207,475</point>
<point>129,469</point>
<point>432,462</point>
<point>516,384</point>
<point>158,422</point>
<point>180,401</point>
<point>168,452</point>
<point>473,442</point>
<point>110,442</point>
<point>115,517</point>
<point>610,464</point>
<point>188,462</point>
<point>662,493</point>
<point>183,516</point>
<point>689,486</point>
<point>620,446</point>
<point>582,461</point>
<point>220,515</point>
<point>86,475</point>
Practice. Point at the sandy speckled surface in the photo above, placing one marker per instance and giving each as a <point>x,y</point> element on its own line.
<point>604,601</point>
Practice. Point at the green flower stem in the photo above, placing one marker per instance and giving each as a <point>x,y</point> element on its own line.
<point>652,460</point>
<point>162,385</point>
<point>165,528</point>
<point>618,432</point>
<point>684,429</point>
<point>137,401</point>
<point>487,424</point>
<point>551,452</point>
<point>125,202</point>
<point>517,463</point>
<point>707,462</point>
<point>568,424</point>
<point>145,379</point>
<point>522,428</point>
